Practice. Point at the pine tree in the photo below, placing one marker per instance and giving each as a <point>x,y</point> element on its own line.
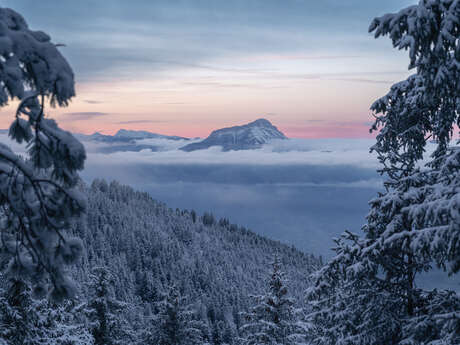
<point>273,319</point>
<point>414,223</point>
<point>38,197</point>
<point>19,319</point>
<point>348,305</point>
<point>26,321</point>
<point>175,323</point>
<point>418,216</point>
<point>60,325</point>
<point>104,310</point>
<point>426,105</point>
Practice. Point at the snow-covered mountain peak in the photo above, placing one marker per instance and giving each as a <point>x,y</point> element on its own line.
<point>261,123</point>
<point>125,133</point>
<point>244,137</point>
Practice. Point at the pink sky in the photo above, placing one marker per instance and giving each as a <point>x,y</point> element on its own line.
<point>193,106</point>
<point>311,68</point>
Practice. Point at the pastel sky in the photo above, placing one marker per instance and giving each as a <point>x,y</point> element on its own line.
<point>187,67</point>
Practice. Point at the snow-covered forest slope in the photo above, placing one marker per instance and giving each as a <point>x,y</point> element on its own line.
<point>148,247</point>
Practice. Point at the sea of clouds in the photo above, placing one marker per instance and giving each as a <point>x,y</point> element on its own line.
<point>303,192</point>
<point>299,191</point>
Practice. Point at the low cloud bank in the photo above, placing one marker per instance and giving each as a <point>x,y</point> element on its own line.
<point>352,152</point>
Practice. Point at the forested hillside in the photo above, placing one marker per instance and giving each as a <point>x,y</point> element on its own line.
<point>148,247</point>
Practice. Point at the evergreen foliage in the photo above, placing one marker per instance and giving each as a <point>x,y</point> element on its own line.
<point>273,319</point>
<point>367,294</point>
<point>175,322</point>
<point>26,321</point>
<point>19,320</point>
<point>38,198</point>
<point>103,310</point>
<point>63,324</point>
<point>148,247</point>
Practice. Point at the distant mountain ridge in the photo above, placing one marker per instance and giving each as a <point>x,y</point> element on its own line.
<point>126,141</point>
<point>245,137</point>
<point>126,136</point>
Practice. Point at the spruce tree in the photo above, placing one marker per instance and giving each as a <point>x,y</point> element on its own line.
<point>273,319</point>
<point>19,319</point>
<point>26,321</point>
<point>103,310</point>
<point>367,294</point>
<point>60,325</point>
<point>175,323</point>
<point>348,305</point>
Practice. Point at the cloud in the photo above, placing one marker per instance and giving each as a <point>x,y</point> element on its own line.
<point>84,115</point>
<point>213,68</point>
<point>297,191</point>
<point>90,101</point>
<point>292,190</point>
<point>305,206</point>
<point>165,35</point>
<point>281,57</point>
<point>129,122</point>
<point>328,152</point>
<point>217,84</point>
<point>327,162</point>
<point>337,123</point>
<point>346,76</point>
<point>367,81</point>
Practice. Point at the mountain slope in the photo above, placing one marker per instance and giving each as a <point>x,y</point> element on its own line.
<point>148,246</point>
<point>250,136</point>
